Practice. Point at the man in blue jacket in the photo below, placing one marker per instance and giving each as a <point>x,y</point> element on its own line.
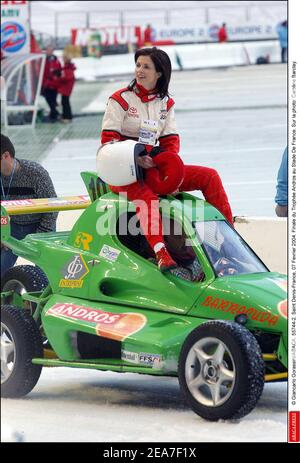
<point>281,198</point>
<point>282,31</point>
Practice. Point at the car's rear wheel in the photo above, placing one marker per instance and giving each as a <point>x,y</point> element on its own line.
<point>221,370</point>
<point>22,279</point>
<point>20,343</point>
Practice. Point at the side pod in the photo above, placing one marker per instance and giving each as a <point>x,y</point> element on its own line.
<point>20,247</point>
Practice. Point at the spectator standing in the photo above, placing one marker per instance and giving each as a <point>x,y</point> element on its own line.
<point>222,33</point>
<point>51,76</point>
<point>22,179</point>
<point>148,36</point>
<point>282,31</point>
<point>65,87</point>
<point>281,198</point>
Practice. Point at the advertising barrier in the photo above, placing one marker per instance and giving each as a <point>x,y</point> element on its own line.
<point>137,36</point>
<point>15,28</point>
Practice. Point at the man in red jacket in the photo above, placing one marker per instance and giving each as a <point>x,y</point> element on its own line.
<point>148,36</point>
<point>222,34</point>
<point>52,73</point>
<point>65,87</point>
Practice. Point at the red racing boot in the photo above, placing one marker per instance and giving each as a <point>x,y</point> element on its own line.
<point>164,260</point>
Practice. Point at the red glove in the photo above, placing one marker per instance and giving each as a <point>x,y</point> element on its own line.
<point>167,176</point>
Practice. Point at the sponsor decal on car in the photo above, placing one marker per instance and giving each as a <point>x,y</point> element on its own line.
<point>283,308</point>
<point>83,240</point>
<point>68,200</point>
<point>282,305</point>
<point>109,253</point>
<point>131,357</point>
<point>153,360</point>
<point>17,202</point>
<point>117,326</point>
<point>4,220</point>
<point>45,204</point>
<point>216,303</point>
<point>74,272</point>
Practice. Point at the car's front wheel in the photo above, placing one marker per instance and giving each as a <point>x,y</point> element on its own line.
<point>221,370</point>
<point>20,343</point>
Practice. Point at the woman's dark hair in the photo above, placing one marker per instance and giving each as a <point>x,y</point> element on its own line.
<point>162,63</point>
<point>6,145</point>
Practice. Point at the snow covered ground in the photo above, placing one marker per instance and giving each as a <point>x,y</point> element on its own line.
<point>70,405</point>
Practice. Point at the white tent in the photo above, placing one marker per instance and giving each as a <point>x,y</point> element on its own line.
<point>21,80</point>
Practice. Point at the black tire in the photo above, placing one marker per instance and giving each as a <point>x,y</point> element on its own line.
<point>23,278</point>
<point>20,332</point>
<point>224,377</point>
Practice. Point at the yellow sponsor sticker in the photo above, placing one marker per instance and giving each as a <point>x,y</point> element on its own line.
<point>74,272</point>
<point>70,283</point>
<point>83,241</point>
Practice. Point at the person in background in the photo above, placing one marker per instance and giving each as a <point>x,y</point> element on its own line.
<point>51,77</point>
<point>22,179</point>
<point>148,36</point>
<point>144,111</point>
<point>222,33</point>
<point>281,198</point>
<point>282,32</point>
<point>65,87</point>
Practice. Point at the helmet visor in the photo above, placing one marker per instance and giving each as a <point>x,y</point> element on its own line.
<point>139,150</point>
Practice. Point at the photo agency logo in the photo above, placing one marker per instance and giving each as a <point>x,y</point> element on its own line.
<point>120,218</point>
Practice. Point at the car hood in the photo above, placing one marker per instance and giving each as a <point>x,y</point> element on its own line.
<point>262,296</point>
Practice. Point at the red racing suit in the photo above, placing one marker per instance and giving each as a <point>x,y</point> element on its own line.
<point>125,110</point>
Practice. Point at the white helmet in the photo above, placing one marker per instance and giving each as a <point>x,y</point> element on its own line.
<point>117,162</point>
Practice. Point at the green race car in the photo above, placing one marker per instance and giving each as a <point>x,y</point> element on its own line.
<point>96,299</point>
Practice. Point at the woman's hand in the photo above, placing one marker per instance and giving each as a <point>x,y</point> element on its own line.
<point>146,162</point>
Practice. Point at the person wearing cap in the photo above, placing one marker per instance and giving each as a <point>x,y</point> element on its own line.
<point>144,112</point>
